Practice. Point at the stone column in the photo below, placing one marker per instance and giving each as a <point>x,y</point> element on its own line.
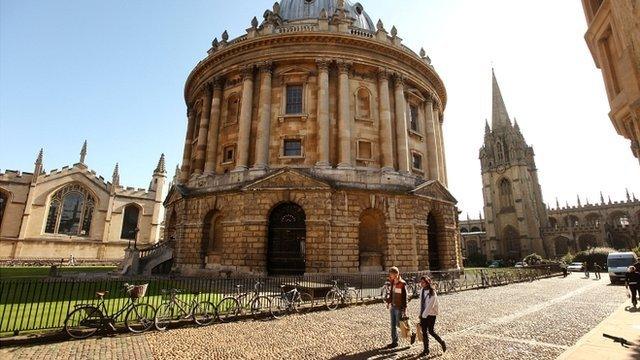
<point>185,170</point>
<point>402,145</point>
<point>430,138</point>
<point>443,164</point>
<point>214,128</point>
<point>344,112</point>
<point>386,134</point>
<point>264,121</point>
<point>244,131</point>
<point>323,113</point>
<point>201,147</point>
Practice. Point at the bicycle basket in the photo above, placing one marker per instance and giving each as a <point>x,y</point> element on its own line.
<point>138,291</point>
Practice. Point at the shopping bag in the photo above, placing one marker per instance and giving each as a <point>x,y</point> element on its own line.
<point>405,328</point>
<point>419,332</point>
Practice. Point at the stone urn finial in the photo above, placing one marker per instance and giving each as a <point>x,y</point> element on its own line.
<point>276,8</point>
<point>323,14</point>
<point>380,25</point>
<point>422,53</point>
<point>254,22</point>
<point>225,36</point>
<point>394,31</point>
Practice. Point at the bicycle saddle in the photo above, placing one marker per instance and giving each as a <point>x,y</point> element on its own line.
<point>101,294</point>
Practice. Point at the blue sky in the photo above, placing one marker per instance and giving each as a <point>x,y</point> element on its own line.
<point>113,72</point>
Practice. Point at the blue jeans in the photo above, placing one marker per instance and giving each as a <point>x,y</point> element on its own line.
<point>395,320</point>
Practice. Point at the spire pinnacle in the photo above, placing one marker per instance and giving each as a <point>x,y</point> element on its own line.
<point>161,168</point>
<point>499,115</point>
<point>83,152</point>
<point>578,196</point>
<point>628,196</point>
<point>115,178</point>
<point>557,203</point>
<point>480,213</point>
<point>487,129</point>
<point>601,198</point>
<point>39,158</point>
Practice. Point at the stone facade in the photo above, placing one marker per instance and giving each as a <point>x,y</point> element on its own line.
<point>75,211</point>
<point>348,122</point>
<point>613,37</point>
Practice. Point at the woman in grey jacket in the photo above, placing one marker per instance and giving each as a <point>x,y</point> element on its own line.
<point>428,313</point>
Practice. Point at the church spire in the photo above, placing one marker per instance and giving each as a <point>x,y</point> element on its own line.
<point>499,115</point>
<point>161,168</point>
<point>115,178</point>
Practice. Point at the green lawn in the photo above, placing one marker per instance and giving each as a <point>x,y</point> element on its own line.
<point>43,271</point>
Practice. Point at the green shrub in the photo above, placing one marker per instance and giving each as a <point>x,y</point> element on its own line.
<point>597,255</point>
<point>533,259</point>
<point>567,258</point>
<point>636,250</point>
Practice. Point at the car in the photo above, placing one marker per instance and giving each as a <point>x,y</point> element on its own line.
<point>576,266</point>
<point>617,264</point>
<point>496,264</point>
<point>520,264</point>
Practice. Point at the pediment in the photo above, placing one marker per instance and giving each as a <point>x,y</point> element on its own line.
<point>288,179</point>
<point>434,189</point>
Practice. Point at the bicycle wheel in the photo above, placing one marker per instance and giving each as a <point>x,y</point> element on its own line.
<point>260,306</point>
<point>332,299</point>
<point>140,318</point>
<point>455,286</point>
<point>204,313</point>
<point>164,315</point>
<point>351,297</point>
<point>228,308</point>
<point>83,322</point>
<point>278,307</point>
<point>303,303</point>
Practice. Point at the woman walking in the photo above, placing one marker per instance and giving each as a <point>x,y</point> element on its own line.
<point>428,313</point>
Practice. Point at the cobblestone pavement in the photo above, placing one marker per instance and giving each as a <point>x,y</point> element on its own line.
<point>539,319</point>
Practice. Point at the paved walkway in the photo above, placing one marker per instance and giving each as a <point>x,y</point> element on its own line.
<point>541,319</point>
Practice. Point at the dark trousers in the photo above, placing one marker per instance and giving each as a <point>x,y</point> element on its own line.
<point>635,293</point>
<point>427,328</point>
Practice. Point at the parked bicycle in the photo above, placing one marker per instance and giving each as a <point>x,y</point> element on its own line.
<point>448,283</point>
<point>337,296</point>
<point>244,303</point>
<point>291,301</point>
<point>86,319</point>
<point>413,288</point>
<point>201,312</point>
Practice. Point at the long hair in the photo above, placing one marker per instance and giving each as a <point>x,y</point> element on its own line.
<point>429,284</point>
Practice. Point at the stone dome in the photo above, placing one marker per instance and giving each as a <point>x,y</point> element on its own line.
<point>291,10</point>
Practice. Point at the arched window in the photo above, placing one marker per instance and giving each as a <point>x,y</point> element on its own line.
<point>70,211</point>
<point>464,230</point>
<point>506,195</point>
<point>4,198</point>
<point>363,104</point>
<point>593,219</point>
<point>233,109</point>
<point>130,222</point>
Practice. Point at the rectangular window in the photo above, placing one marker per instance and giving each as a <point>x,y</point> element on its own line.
<point>413,112</point>
<point>229,154</point>
<point>294,99</point>
<point>293,147</point>
<point>364,150</point>
<point>416,161</point>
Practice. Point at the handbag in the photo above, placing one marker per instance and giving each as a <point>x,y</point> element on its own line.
<point>405,327</point>
<point>419,332</point>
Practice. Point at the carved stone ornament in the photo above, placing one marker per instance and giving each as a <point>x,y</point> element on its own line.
<point>323,64</point>
<point>394,31</point>
<point>254,22</point>
<point>380,25</point>
<point>225,36</point>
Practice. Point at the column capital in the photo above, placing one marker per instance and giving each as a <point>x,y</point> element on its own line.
<point>265,67</point>
<point>208,88</point>
<point>398,78</point>
<point>217,82</point>
<point>383,73</point>
<point>323,64</point>
<point>344,66</point>
<point>247,72</point>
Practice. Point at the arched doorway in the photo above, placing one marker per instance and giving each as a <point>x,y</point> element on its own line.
<point>512,242</point>
<point>287,235</point>
<point>432,241</point>
<point>371,241</point>
<point>561,246</point>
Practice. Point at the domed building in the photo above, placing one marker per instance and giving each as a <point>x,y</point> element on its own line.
<point>314,144</point>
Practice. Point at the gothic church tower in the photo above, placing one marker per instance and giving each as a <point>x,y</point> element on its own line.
<point>513,205</point>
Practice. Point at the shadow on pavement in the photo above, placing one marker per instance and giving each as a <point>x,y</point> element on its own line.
<point>631,309</point>
<point>377,354</point>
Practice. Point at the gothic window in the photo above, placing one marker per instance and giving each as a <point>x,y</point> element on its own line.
<point>70,211</point>
<point>363,104</point>
<point>416,161</point>
<point>3,204</point>
<point>413,118</point>
<point>294,99</point>
<point>233,109</point>
<point>464,230</point>
<point>292,148</point>
<point>500,152</point>
<point>506,195</point>
<point>130,222</point>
